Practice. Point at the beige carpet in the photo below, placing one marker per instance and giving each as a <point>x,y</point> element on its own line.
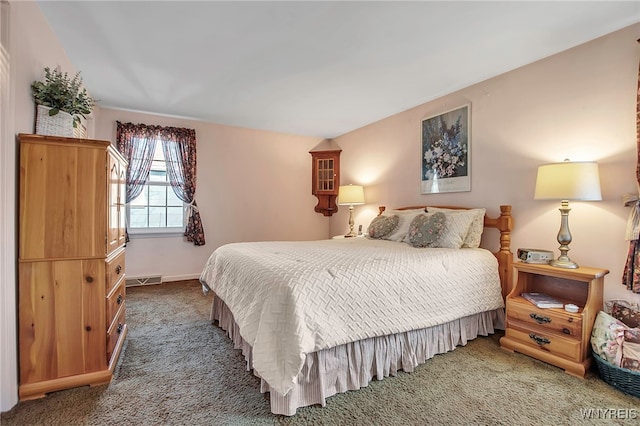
<point>179,369</point>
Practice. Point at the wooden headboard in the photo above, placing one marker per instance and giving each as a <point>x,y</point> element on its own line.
<point>504,224</point>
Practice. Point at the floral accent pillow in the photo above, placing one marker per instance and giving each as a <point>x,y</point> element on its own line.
<point>381,226</point>
<point>631,349</point>
<point>426,229</point>
<point>404,221</point>
<point>629,316</point>
<point>607,337</point>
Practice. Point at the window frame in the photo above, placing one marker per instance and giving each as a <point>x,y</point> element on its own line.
<point>144,232</point>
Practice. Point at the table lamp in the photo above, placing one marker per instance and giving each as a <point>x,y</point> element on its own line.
<point>567,181</point>
<point>351,195</point>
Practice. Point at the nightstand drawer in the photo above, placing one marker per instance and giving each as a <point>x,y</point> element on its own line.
<point>548,342</point>
<point>552,320</point>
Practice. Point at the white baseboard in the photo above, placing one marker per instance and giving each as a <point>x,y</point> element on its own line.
<point>166,279</point>
<point>158,279</point>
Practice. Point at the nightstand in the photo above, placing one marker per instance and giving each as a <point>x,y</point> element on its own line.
<point>554,335</point>
<point>338,237</point>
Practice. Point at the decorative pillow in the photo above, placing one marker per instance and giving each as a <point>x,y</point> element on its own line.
<point>425,229</point>
<point>607,337</point>
<point>382,226</point>
<point>631,349</point>
<point>405,217</point>
<point>474,235</point>
<point>629,316</point>
<point>457,226</point>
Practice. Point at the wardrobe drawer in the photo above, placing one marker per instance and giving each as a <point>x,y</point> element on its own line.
<point>115,331</point>
<point>552,320</point>
<point>114,300</point>
<point>535,337</point>
<point>115,270</point>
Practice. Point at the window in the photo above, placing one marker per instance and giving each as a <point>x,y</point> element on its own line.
<point>157,210</point>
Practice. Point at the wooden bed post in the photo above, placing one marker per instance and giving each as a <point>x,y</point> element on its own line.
<point>504,223</point>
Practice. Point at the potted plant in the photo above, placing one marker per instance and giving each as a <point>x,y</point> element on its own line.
<point>61,101</point>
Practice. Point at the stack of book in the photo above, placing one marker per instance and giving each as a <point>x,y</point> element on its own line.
<point>542,300</point>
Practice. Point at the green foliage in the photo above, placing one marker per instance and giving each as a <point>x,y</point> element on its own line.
<point>62,93</point>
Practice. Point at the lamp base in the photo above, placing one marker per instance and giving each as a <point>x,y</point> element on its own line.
<point>564,238</point>
<point>567,264</point>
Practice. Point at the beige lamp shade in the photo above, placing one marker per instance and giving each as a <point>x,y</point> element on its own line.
<point>568,181</point>
<point>351,195</point>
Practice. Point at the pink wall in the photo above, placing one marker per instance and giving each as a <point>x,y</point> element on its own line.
<point>252,186</point>
<point>32,46</point>
<point>579,104</point>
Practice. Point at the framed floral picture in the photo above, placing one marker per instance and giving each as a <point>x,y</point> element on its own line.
<point>446,154</point>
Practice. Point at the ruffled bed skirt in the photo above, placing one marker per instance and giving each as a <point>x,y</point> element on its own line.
<point>353,365</point>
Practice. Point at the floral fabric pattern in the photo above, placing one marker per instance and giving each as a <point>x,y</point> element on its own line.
<point>137,143</point>
<point>381,226</point>
<point>629,316</point>
<point>631,274</point>
<point>607,337</point>
<point>631,350</point>
<point>425,230</point>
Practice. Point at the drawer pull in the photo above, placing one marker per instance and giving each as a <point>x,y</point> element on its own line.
<point>119,329</point>
<point>118,269</point>
<point>566,331</point>
<point>89,278</point>
<point>539,340</point>
<point>119,299</point>
<point>540,319</point>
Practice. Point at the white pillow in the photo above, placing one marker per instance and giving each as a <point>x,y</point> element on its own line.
<point>474,234</point>
<point>457,226</point>
<point>405,219</point>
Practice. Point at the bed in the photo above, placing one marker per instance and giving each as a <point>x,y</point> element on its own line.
<point>316,318</point>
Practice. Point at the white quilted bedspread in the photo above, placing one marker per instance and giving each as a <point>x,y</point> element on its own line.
<point>294,298</point>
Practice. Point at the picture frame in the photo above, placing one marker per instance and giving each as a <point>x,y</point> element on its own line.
<point>446,151</point>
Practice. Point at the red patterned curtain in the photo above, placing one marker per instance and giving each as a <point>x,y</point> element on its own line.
<point>137,144</point>
<point>179,146</point>
<point>631,275</point>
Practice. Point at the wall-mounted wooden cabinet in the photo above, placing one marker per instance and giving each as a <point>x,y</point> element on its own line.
<point>71,263</point>
<point>325,180</point>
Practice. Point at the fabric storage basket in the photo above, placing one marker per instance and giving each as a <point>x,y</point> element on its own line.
<point>608,305</point>
<point>60,124</point>
<point>627,381</point>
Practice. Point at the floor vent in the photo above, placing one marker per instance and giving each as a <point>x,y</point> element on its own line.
<point>154,279</point>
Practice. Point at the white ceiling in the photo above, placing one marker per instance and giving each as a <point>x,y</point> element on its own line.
<point>311,68</point>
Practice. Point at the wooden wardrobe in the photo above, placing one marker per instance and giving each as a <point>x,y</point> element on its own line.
<point>71,267</point>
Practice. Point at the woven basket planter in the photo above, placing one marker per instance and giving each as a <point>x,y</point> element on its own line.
<point>80,131</point>
<point>60,124</point>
